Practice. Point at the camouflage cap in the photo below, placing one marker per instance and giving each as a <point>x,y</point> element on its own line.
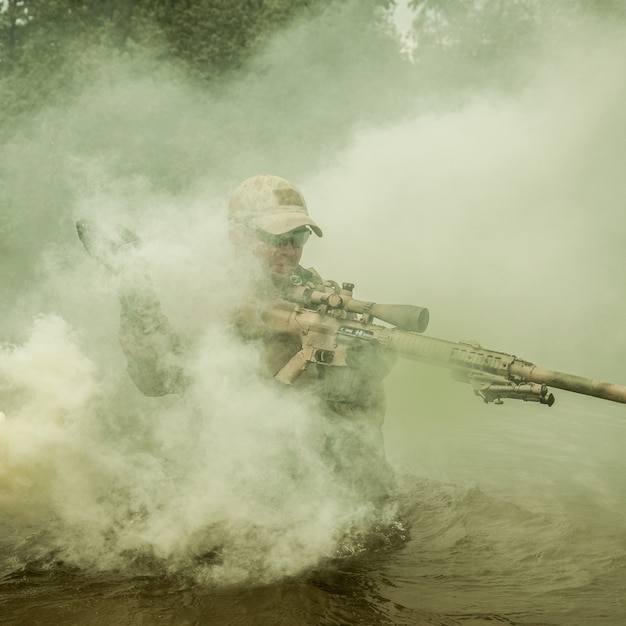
<point>272,204</point>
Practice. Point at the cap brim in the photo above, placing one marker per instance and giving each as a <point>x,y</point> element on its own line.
<point>285,221</point>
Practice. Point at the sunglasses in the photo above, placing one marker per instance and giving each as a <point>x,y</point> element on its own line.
<point>297,238</point>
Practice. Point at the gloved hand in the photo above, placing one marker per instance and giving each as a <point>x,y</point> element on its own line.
<point>111,248</point>
<point>116,250</point>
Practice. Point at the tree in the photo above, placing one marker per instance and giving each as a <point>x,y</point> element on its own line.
<point>49,47</point>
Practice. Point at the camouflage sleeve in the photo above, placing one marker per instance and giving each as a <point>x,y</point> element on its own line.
<point>153,351</point>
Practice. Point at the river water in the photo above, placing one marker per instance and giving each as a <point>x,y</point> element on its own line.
<point>461,557</point>
<point>510,515</point>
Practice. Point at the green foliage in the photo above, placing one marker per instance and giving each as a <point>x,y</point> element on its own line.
<point>94,119</point>
<point>480,41</point>
<point>49,48</point>
<point>217,36</point>
<point>612,9</point>
<point>214,36</point>
<point>473,40</point>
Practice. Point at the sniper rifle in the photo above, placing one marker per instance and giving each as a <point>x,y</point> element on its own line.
<point>327,319</point>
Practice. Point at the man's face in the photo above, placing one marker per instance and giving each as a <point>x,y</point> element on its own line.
<point>279,255</point>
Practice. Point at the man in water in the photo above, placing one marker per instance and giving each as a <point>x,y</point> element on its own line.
<point>269,225</point>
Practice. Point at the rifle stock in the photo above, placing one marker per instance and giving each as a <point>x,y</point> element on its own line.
<point>328,321</point>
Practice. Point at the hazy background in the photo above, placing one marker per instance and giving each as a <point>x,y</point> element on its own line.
<point>496,201</point>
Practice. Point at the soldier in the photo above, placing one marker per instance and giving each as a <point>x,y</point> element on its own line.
<point>269,225</point>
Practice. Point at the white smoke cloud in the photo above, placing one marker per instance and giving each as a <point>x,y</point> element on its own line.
<point>236,466</point>
<point>502,214</point>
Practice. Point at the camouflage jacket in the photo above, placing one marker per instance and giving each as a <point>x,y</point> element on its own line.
<point>155,354</point>
<point>355,395</point>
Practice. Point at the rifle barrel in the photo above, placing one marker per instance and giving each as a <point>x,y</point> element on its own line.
<point>569,382</point>
<point>474,358</point>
